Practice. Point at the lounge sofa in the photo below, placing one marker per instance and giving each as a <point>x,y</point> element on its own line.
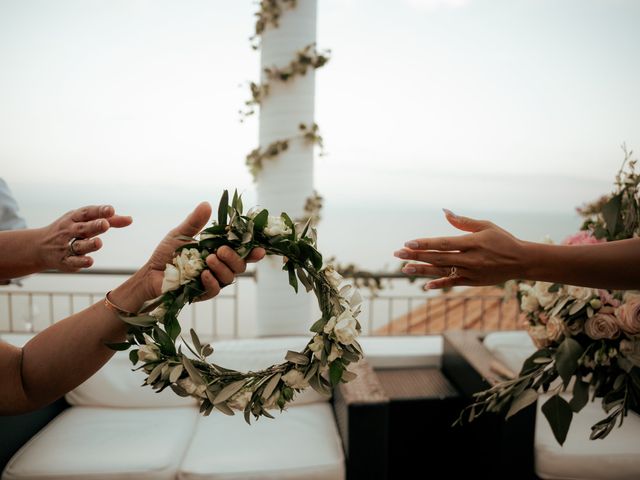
<point>115,429</point>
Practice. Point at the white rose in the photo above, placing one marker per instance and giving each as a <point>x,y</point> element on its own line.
<point>346,328</point>
<point>333,277</point>
<point>171,279</point>
<point>295,379</point>
<point>328,328</point>
<point>240,400</point>
<point>555,328</point>
<point>582,293</point>
<point>544,296</point>
<point>538,334</point>
<point>316,346</point>
<point>192,388</point>
<point>158,312</point>
<point>148,353</point>
<point>335,353</point>
<point>276,226</point>
<point>189,263</point>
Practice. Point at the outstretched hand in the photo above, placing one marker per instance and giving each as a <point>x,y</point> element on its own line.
<point>223,265</point>
<point>66,243</point>
<point>488,255</point>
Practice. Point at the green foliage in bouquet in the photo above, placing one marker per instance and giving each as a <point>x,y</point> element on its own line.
<point>588,339</point>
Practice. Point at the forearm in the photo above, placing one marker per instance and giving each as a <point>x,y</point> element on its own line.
<point>612,265</point>
<point>16,260</point>
<point>64,355</point>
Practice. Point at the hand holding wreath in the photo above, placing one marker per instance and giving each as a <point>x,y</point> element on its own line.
<point>155,329</point>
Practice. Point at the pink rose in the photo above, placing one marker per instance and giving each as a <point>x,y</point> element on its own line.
<point>583,237</point>
<point>538,334</point>
<point>607,298</point>
<point>628,316</point>
<point>602,325</point>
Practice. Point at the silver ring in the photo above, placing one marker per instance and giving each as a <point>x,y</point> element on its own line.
<point>453,272</point>
<point>71,247</point>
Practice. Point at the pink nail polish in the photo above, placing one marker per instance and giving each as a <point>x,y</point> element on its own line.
<point>449,212</point>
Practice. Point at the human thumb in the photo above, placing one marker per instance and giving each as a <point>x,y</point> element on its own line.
<point>465,223</point>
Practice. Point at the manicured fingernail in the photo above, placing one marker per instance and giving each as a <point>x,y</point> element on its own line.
<point>426,287</point>
<point>449,212</point>
<point>401,254</point>
<point>409,269</point>
<point>105,210</point>
<point>411,244</point>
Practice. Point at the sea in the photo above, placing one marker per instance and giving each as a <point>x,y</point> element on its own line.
<point>364,235</point>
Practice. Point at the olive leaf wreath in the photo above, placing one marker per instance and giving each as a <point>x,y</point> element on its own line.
<point>322,364</point>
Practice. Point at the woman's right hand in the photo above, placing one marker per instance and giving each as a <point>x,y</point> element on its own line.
<point>146,283</point>
<point>488,255</point>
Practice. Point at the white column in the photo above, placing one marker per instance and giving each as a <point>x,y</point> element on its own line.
<point>286,181</point>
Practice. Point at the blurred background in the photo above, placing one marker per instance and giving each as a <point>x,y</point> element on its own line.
<point>509,110</point>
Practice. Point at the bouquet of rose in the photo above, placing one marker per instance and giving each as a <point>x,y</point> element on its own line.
<point>588,339</point>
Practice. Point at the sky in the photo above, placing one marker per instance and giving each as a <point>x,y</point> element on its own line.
<point>473,105</point>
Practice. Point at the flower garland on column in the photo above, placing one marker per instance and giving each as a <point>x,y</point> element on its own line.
<point>308,58</point>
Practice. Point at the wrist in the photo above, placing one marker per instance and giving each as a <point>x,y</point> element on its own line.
<point>130,295</point>
<point>532,260</point>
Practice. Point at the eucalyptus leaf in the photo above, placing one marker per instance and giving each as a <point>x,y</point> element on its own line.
<point>196,341</point>
<point>133,356</point>
<point>193,372</point>
<point>155,373</point>
<point>335,372</point>
<point>174,376</point>
<point>567,357</point>
<point>580,395</point>
<point>318,326</point>
<point>296,357</point>
<point>271,386</point>
<point>293,281</point>
<point>260,220</point>
<point>559,415</point>
<point>223,208</point>
<point>522,401</point>
<point>611,214</point>
<point>229,391</point>
<point>139,320</point>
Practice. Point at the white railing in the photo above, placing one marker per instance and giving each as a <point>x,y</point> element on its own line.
<point>232,313</point>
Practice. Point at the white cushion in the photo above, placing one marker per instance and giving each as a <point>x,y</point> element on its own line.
<point>301,443</point>
<point>107,444</point>
<point>615,457</point>
<point>16,339</point>
<point>259,353</point>
<point>403,351</point>
<point>511,348</point>
<point>115,385</point>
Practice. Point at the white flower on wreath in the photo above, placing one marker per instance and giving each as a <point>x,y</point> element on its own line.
<point>346,328</point>
<point>333,277</point>
<point>240,400</point>
<point>330,325</point>
<point>295,379</point>
<point>148,353</point>
<point>158,312</point>
<point>192,388</point>
<point>335,353</point>
<point>185,268</point>
<point>276,226</point>
<point>544,296</point>
<point>316,346</point>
